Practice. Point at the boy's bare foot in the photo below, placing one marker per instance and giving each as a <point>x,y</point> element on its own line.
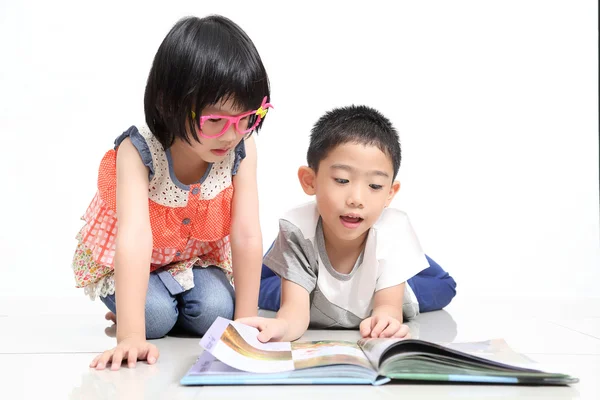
<point>110,316</point>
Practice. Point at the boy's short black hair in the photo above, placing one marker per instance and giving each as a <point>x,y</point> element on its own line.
<point>200,62</point>
<point>353,124</point>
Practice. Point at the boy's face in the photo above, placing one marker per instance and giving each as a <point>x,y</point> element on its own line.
<point>353,186</point>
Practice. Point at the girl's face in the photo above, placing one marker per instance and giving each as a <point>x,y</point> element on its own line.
<point>215,147</point>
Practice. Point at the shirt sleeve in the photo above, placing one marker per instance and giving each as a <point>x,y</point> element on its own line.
<point>293,257</point>
<point>239,155</point>
<point>141,146</point>
<point>399,252</point>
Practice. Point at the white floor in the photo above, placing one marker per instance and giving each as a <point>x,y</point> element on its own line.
<point>46,345</point>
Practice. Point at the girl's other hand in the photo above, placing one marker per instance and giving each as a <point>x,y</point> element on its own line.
<point>130,349</point>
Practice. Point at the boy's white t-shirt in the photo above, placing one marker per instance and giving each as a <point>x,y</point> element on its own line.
<point>391,256</point>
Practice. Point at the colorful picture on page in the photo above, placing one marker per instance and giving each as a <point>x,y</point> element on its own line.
<point>236,342</point>
<point>327,352</point>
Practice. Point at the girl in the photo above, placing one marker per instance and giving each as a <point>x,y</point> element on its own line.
<point>168,186</point>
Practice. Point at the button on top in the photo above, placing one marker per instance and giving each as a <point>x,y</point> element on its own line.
<point>195,190</point>
<point>186,221</point>
<point>178,254</point>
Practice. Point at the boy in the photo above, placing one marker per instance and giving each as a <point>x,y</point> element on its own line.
<point>344,260</point>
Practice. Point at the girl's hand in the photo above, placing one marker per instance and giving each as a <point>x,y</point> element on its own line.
<point>271,329</point>
<point>130,349</point>
<point>383,326</point>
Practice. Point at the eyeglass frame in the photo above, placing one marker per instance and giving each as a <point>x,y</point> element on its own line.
<point>261,112</point>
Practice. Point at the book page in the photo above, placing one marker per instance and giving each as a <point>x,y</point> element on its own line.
<point>209,371</point>
<point>237,346</point>
<point>208,364</point>
<point>328,352</point>
<point>374,348</point>
<point>495,350</point>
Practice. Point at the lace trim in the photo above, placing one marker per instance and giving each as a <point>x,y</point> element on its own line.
<point>104,287</point>
<point>185,277</point>
<point>162,189</point>
<point>218,179</point>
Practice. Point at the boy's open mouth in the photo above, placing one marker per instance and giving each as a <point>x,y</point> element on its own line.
<point>350,220</point>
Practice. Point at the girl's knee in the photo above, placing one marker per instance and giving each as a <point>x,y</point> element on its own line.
<point>222,308</point>
<point>198,316</point>
<point>209,310</point>
<point>109,302</point>
<point>161,316</point>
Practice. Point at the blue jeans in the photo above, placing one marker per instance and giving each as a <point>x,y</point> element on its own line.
<point>192,311</point>
<point>433,287</point>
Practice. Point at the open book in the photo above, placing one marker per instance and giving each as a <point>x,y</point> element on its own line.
<point>234,356</point>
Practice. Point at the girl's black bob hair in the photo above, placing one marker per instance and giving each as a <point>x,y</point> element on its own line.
<point>201,62</point>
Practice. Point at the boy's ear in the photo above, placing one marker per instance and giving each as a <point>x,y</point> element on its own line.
<point>306,176</point>
<point>393,190</point>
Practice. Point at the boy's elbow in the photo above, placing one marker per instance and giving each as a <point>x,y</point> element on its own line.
<point>298,328</point>
<point>303,318</point>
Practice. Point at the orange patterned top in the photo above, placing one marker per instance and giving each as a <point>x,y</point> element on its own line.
<point>190,223</point>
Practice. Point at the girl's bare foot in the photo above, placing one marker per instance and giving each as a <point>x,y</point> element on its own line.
<point>110,316</point>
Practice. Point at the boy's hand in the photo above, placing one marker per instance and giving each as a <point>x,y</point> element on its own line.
<point>271,329</point>
<point>130,349</point>
<point>383,326</point>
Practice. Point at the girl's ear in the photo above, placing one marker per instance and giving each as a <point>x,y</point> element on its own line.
<point>306,176</point>
<point>393,191</point>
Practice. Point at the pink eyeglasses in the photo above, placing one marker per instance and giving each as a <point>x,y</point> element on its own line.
<point>213,126</point>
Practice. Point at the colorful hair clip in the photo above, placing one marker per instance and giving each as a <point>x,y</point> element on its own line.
<point>261,111</point>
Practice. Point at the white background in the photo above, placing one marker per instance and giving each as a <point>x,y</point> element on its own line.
<point>496,103</point>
